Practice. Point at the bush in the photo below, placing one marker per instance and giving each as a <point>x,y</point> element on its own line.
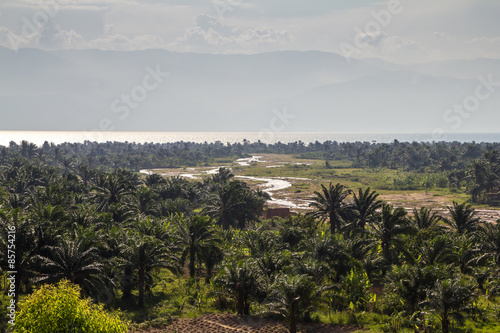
<point>59,309</point>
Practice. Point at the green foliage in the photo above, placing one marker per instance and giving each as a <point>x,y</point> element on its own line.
<point>417,181</point>
<point>291,296</point>
<point>463,218</point>
<point>79,216</point>
<point>331,204</point>
<point>240,283</point>
<point>59,309</point>
<point>451,299</point>
<point>407,287</point>
<point>352,292</point>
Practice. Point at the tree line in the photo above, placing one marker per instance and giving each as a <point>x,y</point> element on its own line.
<point>469,166</point>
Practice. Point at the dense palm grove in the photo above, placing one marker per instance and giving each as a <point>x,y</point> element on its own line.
<point>436,164</point>
<point>82,213</point>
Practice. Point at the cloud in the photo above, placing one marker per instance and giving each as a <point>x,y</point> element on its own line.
<point>53,38</point>
<point>385,42</point>
<point>211,32</point>
<point>387,46</point>
<point>485,47</point>
<point>124,43</point>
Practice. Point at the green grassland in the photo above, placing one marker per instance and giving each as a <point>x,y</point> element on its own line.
<point>382,180</point>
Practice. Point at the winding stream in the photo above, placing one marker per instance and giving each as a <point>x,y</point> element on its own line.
<point>276,184</point>
<point>270,185</point>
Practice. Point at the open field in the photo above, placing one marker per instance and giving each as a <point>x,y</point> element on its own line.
<point>306,176</point>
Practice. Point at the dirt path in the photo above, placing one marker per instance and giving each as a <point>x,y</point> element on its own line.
<point>229,323</point>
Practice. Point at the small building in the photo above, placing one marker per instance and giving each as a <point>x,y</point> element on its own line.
<point>278,212</point>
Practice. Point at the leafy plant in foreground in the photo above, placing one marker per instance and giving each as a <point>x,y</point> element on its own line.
<point>59,309</point>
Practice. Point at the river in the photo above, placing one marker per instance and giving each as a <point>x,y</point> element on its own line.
<point>269,185</point>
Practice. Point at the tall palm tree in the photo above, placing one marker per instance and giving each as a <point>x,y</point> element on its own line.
<point>211,257</point>
<point>365,205</point>
<point>463,218</point>
<point>385,231</point>
<point>195,237</point>
<point>223,206</point>
<point>330,204</point>
<point>143,253</point>
<point>240,281</point>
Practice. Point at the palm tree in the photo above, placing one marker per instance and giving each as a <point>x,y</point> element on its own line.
<point>84,215</point>
<point>437,251</point>
<point>409,283</point>
<point>122,212</point>
<point>211,257</point>
<point>239,279</point>
<point>306,265</point>
<point>425,218</point>
<point>143,253</point>
<point>154,179</point>
<point>172,188</point>
<point>485,176</point>
<point>391,223</point>
<point>233,201</point>
<point>333,254</point>
<point>26,242</point>
<point>85,174</point>
<point>451,299</point>
<point>291,296</point>
<point>466,252</point>
<point>195,237</point>
<point>490,242</point>
<point>261,241</point>
<point>111,189</point>
<point>75,261</point>
<point>158,229</point>
<point>223,175</point>
<point>365,205</point>
<point>330,203</point>
<point>67,164</point>
<point>463,218</point>
<point>224,204</point>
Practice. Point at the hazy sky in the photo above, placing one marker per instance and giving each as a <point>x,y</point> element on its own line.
<point>394,30</point>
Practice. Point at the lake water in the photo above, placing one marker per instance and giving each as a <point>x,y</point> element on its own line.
<point>39,137</point>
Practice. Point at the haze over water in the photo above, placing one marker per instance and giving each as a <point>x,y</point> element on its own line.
<point>39,137</point>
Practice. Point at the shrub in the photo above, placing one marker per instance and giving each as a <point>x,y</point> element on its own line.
<point>59,309</point>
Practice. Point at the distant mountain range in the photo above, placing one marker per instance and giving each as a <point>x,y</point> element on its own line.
<point>81,90</point>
